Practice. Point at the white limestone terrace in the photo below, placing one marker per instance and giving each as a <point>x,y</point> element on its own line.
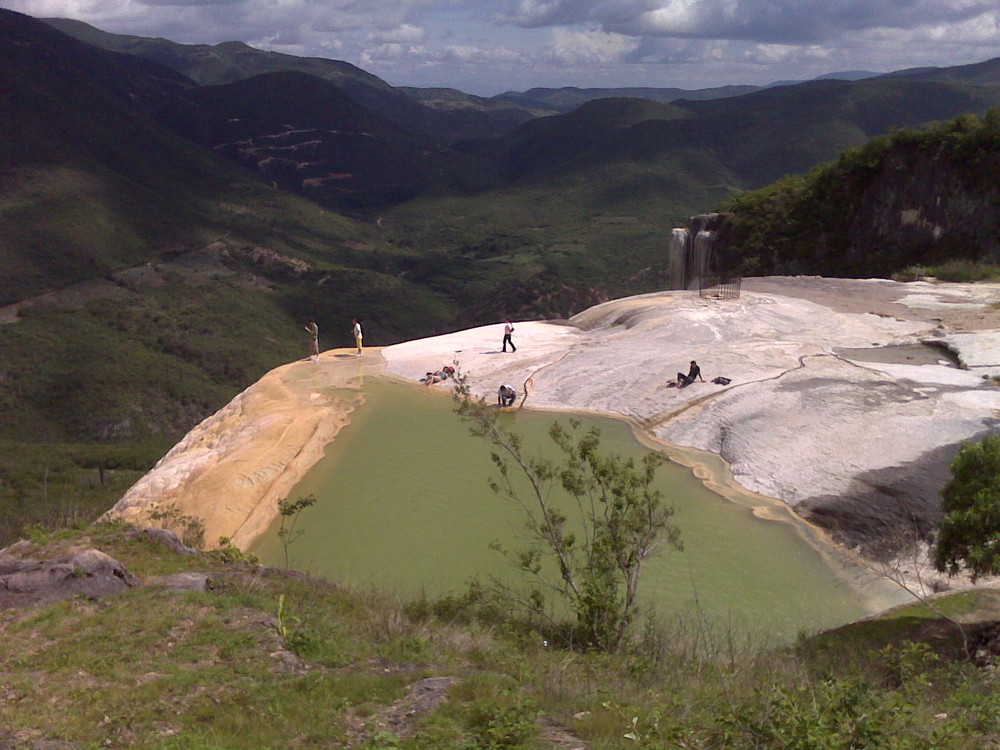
<point>833,405</point>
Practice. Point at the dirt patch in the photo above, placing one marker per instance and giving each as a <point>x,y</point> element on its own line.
<point>559,736</point>
<point>400,718</point>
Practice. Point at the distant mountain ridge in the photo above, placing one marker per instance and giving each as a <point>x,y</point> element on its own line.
<point>230,62</point>
<point>566,99</point>
<point>347,140</point>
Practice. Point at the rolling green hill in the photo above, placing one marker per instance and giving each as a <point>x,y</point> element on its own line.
<point>147,278</point>
<point>306,135</point>
<point>986,73</point>
<point>790,129</point>
<point>566,99</point>
<point>610,179</point>
<point>218,63</point>
<point>230,62</point>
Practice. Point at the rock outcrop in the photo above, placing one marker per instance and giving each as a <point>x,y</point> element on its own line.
<point>87,572</point>
<point>229,472</point>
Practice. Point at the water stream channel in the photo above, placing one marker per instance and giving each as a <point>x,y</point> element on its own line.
<point>403,505</point>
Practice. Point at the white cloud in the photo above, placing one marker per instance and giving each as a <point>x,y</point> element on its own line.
<point>773,54</point>
<point>386,52</point>
<point>590,46</point>
<point>481,55</point>
<point>500,44</point>
<point>405,34</point>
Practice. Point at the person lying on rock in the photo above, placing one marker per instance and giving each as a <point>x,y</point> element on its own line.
<point>694,372</point>
<point>436,377</point>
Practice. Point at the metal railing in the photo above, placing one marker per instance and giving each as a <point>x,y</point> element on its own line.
<point>720,287</point>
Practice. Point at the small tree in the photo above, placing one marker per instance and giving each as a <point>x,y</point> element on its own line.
<point>290,512</point>
<point>969,537</point>
<point>597,569</point>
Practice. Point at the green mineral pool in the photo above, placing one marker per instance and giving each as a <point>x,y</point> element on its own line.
<point>403,505</point>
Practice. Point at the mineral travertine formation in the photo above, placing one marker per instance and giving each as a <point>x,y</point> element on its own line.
<point>846,399</point>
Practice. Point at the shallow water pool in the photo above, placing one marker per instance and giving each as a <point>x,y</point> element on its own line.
<point>403,505</point>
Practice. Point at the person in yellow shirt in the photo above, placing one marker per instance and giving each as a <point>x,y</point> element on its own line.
<point>357,335</point>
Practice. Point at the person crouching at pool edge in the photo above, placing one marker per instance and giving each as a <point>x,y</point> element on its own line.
<point>506,395</point>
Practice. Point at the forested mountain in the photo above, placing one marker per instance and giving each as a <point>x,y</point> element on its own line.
<point>153,277</point>
<point>566,99</point>
<point>913,198</point>
<point>230,62</point>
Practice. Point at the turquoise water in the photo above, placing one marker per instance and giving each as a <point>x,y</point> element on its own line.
<point>403,505</point>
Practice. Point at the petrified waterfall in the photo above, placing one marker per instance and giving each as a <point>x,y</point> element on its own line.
<point>693,250</point>
<point>678,257</point>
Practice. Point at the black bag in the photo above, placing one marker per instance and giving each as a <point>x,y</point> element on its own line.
<point>722,381</point>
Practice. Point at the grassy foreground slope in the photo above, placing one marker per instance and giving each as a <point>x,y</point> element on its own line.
<point>272,659</point>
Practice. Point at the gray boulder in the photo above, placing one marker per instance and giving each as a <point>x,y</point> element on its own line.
<point>89,573</point>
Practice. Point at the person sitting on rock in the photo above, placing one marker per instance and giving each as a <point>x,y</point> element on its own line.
<point>694,372</point>
<point>506,395</point>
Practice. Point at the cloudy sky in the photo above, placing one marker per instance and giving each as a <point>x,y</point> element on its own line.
<point>490,46</point>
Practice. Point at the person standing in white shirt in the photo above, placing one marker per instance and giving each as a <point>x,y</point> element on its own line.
<point>357,335</point>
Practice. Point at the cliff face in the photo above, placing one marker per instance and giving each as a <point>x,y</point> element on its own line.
<point>915,198</point>
<point>924,208</point>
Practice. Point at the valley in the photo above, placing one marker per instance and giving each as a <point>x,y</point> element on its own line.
<point>172,214</point>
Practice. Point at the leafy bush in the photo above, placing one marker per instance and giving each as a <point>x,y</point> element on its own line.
<point>969,537</point>
<point>965,271</point>
<point>623,521</point>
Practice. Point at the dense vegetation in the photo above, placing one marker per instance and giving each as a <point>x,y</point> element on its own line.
<point>969,531</point>
<point>924,197</point>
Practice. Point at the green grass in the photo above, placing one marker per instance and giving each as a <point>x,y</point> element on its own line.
<point>54,485</point>
<point>154,669</point>
<point>965,271</point>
